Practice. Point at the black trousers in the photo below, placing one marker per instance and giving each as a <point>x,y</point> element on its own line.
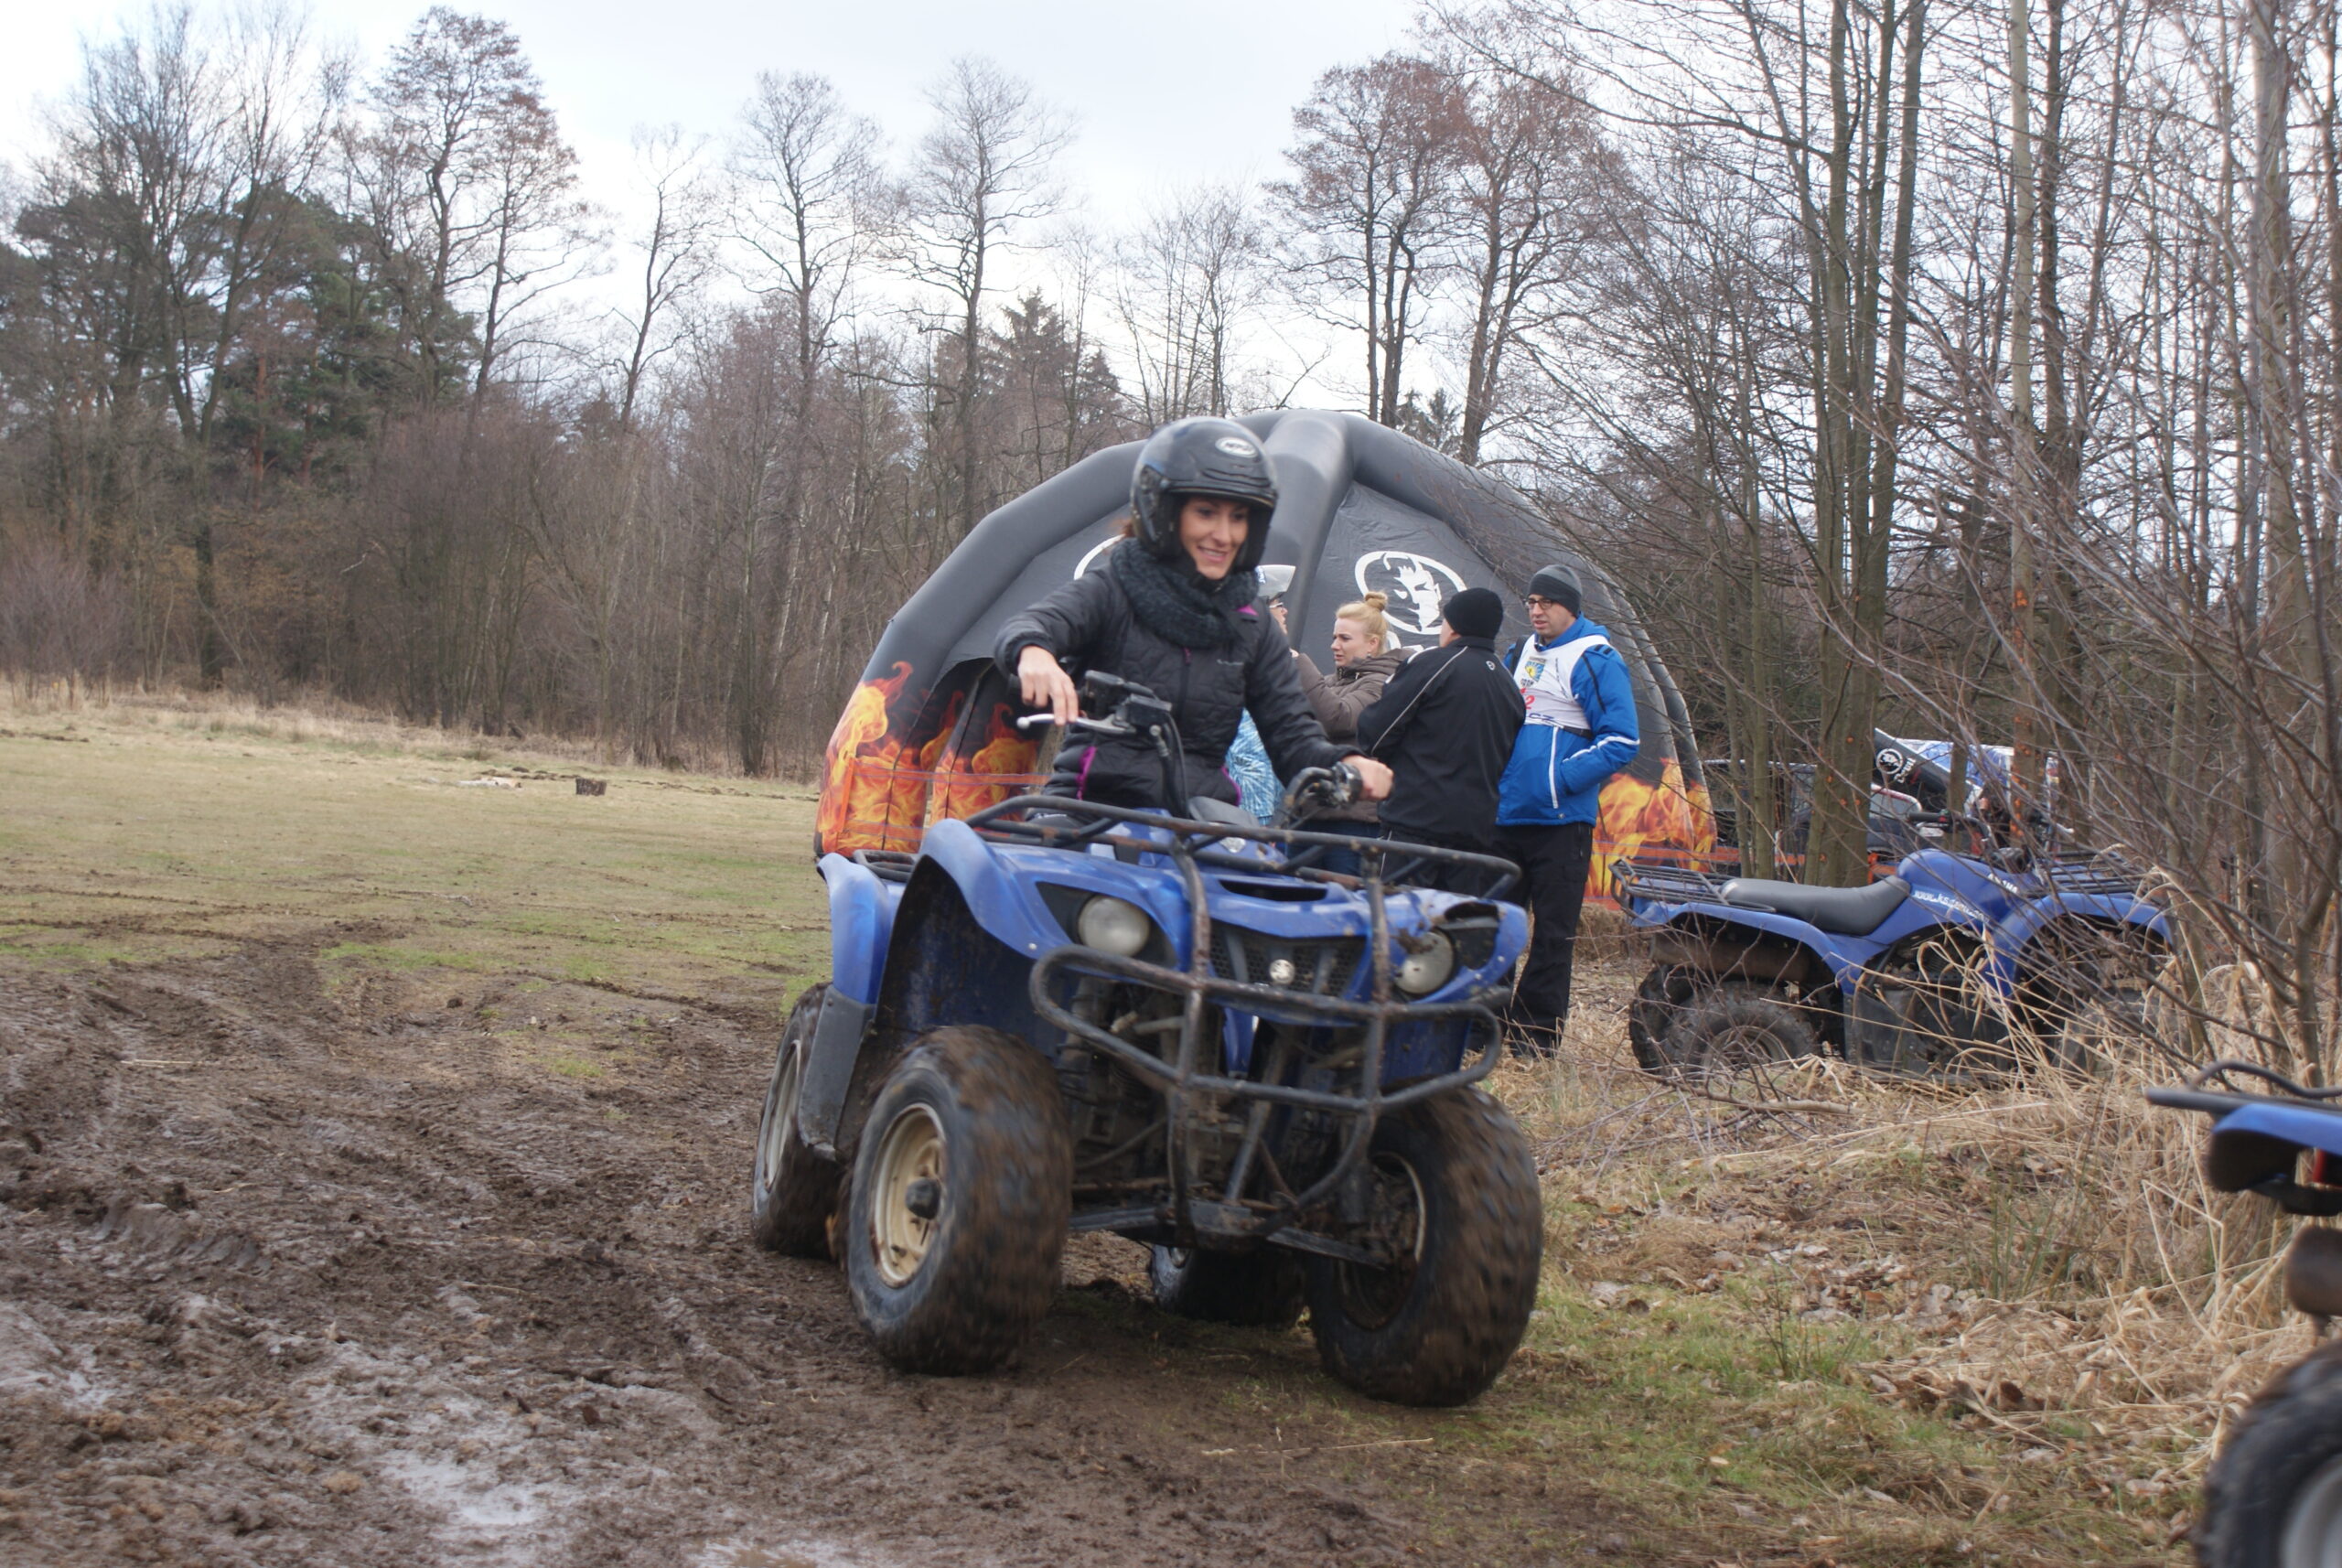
<point>1553,862</point>
<point>1444,875</point>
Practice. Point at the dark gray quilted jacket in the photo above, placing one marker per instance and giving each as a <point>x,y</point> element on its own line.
<point>1089,625</point>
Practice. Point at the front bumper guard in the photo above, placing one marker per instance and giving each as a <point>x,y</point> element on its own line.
<point>1185,1078</point>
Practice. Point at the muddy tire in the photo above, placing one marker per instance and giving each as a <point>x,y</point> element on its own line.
<point>2274,1497</point>
<point>1255,1290</point>
<point>1454,1175</point>
<point>1658,1001</point>
<point>1734,1034</point>
<point>956,1218</point>
<point>794,1190</point>
<point>2089,995</point>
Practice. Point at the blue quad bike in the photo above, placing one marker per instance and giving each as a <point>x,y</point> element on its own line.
<point>1957,967</point>
<point>2273,1496</point>
<point>1177,1027</point>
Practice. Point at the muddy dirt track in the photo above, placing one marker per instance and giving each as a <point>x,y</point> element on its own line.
<point>301,1273</point>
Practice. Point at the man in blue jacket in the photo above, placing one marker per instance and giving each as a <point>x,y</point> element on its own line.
<point>1581,730</point>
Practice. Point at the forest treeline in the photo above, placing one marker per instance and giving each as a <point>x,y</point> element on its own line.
<point>1966,369</point>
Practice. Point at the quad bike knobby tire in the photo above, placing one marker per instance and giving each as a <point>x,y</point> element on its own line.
<point>1733,1032</point>
<point>1453,1178</point>
<point>956,1217</point>
<point>2273,1499</point>
<point>1659,1001</point>
<point>795,1189</point>
<point>1255,1290</point>
<point>2086,1000</point>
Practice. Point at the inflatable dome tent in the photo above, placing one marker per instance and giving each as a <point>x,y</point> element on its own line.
<point>930,732</point>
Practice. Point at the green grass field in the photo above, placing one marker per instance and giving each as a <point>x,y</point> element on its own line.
<point>130,840</point>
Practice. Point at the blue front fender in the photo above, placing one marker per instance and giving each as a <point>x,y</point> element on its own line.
<point>862,918</point>
<point>1842,955</point>
<point>1000,883</point>
<point>2018,930</point>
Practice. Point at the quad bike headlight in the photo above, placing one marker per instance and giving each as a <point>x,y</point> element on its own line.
<point>1427,968</point>
<point>1113,926</point>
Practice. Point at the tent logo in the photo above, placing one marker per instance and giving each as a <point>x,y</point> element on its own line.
<point>1415,586</point>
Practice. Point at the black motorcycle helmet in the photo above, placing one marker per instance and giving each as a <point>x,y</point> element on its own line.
<point>1201,458</point>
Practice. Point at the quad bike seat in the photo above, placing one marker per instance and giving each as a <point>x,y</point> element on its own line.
<point>1842,911</point>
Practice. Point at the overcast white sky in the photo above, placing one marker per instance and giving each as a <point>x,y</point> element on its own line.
<point>1164,94</point>
<point>1161,96</point>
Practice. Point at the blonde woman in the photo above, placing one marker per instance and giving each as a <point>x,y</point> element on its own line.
<point>1364,661</point>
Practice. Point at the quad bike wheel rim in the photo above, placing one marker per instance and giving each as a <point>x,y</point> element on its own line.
<point>1372,1297</point>
<point>2313,1536</point>
<point>911,1152</point>
<point>780,1116</point>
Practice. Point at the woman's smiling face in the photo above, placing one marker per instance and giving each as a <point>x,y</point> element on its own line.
<point>1213,529</point>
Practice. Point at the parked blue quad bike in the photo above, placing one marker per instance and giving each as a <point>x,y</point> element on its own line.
<point>1060,1015</point>
<point>2274,1497</point>
<point>1957,967</point>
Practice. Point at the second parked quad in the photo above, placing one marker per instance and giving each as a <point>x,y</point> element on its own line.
<point>1059,1015</point>
<point>1957,966</point>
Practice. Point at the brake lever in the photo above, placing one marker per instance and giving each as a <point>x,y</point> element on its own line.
<point>1104,726</point>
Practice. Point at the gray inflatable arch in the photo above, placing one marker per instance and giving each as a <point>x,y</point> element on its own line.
<point>929,732</point>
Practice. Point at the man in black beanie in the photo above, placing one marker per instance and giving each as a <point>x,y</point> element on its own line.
<point>1581,729</point>
<point>1446,725</point>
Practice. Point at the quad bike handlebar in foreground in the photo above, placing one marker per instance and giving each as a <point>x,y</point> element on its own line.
<point>2272,1497</point>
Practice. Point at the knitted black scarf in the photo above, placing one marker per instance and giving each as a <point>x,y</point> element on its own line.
<point>1177,602</point>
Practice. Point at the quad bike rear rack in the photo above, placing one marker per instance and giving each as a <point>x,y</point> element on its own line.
<point>1190,844</point>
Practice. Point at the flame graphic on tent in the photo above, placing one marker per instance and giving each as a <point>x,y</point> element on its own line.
<point>1639,814</point>
<point>870,798</point>
<point>884,781</point>
<point>1002,767</point>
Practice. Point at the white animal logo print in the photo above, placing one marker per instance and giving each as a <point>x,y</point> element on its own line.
<point>1416,586</point>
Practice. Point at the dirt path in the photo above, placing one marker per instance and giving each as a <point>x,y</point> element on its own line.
<point>326,1276</point>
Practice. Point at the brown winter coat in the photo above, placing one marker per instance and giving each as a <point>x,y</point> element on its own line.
<point>1338,698</point>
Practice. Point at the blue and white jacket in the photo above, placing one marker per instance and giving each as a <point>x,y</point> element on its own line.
<point>1581,727</point>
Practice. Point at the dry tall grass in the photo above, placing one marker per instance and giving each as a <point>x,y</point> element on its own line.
<point>2041,1256</point>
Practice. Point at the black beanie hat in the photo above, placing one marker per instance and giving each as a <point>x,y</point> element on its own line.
<point>1559,584</point>
<point>1475,612</point>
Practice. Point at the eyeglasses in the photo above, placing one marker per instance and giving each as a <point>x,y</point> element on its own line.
<point>1537,602</point>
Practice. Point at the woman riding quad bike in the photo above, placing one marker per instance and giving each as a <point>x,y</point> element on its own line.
<point>1171,609</point>
<point>1123,1005</point>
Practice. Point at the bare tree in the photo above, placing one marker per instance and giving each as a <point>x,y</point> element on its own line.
<point>1370,202</point>
<point>1187,281</point>
<point>982,175</point>
<point>1532,180</point>
<point>809,184</point>
<point>469,191</point>
<point>676,249</point>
